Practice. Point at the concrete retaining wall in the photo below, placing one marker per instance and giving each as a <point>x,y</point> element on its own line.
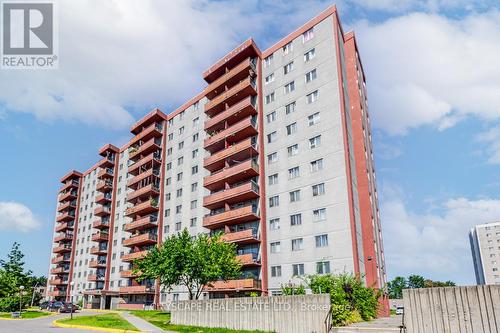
<point>453,309</point>
<point>281,314</point>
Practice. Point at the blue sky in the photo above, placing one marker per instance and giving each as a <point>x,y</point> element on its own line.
<point>433,84</point>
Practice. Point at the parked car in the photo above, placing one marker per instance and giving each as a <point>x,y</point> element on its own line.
<point>400,310</point>
<point>55,305</point>
<point>66,307</point>
<point>44,305</point>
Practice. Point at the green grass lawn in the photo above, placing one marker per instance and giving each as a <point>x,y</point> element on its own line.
<point>108,320</point>
<point>26,314</point>
<point>161,319</point>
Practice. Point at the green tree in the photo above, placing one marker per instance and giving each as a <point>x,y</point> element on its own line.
<point>416,281</point>
<point>291,289</point>
<point>193,262</point>
<point>396,286</point>
<point>431,284</point>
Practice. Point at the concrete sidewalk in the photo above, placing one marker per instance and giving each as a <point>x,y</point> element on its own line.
<point>379,325</point>
<point>141,324</point>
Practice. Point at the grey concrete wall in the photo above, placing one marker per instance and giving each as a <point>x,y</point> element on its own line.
<point>453,309</point>
<point>280,314</point>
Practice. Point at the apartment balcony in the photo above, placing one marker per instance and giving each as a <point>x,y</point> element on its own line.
<point>100,224</point>
<point>96,250</point>
<point>103,198</point>
<point>56,293</point>
<point>237,193</point>
<point>238,111</point>
<point>154,144</point>
<point>232,174</point>
<point>147,191</point>
<point>102,211</point>
<point>144,208</point>
<point>64,217</point>
<point>239,72</point>
<point>106,173</point>
<point>232,216</point>
<point>58,281</point>
<point>106,162</point>
<point>70,195</point>
<point>129,274</point>
<point>64,226</point>
<point>234,285</point>
<point>62,249</point>
<point>137,290</point>
<point>241,237</point>
<point>100,236</point>
<point>153,159</point>
<point>235,133</point>
<point>142,239</point>
<point>95,277</point>
<point>152,131</point>
<point>63,238</point>
<point>236,93</point>
<point>104,186</point>
<point>240,151</point>
<point>248,259</point>
<point>68,205</point>
<point>69,185</point>
<point>97,264</point>
<point>134,255</point>
<point>149,173</point>
<point>59,270</point>
<point>60,259</point>
<point>146,222</point>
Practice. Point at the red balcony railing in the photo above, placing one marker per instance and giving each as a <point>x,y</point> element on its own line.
<point>137,290</point>
<point>237,193</point>
<point>239,151</point>
<point>241,237</point>
<point>100,236</point>
<point>134,255</point>
<point>236,74</point>
<point>240,110</point>
<point>241,90</point>
<point>232,174</point>
<point>231,285</point>
<point>231,216</point>
<point>145,222</point>
<point>142,239</point>
<point>143,208</point>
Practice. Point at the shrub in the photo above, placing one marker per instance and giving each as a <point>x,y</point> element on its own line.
<point>11,303</point>
<point>291,289</point>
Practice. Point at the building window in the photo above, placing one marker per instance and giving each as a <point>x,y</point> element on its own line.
<point>309,55</point>
<point>289,87</point>
<point>179,176</point>
<point>291,129</point>
<point>194,170</point>
<point>273,179</point>
<point>293,172</point>
<point>178,209</point>
<point>167,196</point>
<point>169,151</point>
<point>312,97</point>
<point>317,165</point>
<point>313,119</point>
<point>321,240</point>
<point>289,108</point>
<point>297,244</point>
<point>167,212</point>
<point>275,271</point>
<point>287,49</point>
<point>274,201</point>
<point>194,204</point>
<point>308,35</point>
<point>293,150</point>
<point>169,165</point>
<point>311,75</point>
<point>196,122</point>
<point>182,114</point>
<point>269,78</point>
<point>274,224</point>
<point>318,189</point>
<point>181,145</point>
<point>275,247</point>
<point>195,137</point>
<point>319,214</point>
<point>196,105</point>
<point>315,142</point>
<point>181,130</point>
<point>178,226</point>
<point>271,117</point>
<point>271,137</point>
<point>272,158</point>
<point>192,223</point>
<point>267,61</point>
<point>179,193</point>
<point>270,98</point>
<point>170,136</point>
<point>180,160</point>
<point>295,219</point>
<point>194,153</point>
<point>288,68</point>
<point>194,187</point>
<point>298,269</point>
<point>295,196</point>
<point>323,267</point>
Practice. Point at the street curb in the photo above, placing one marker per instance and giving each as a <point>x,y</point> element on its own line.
<point>92,328</point>
<point>50,314</point>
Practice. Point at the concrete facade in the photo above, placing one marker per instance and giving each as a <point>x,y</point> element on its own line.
<point>266,154</point>
<point>485,248</point>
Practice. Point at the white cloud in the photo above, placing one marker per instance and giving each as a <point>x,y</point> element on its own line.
<point>434,244</point>
<point>17,217</point>
<point>427,5</point>
<point>425,69</point>
<point>492,138</point>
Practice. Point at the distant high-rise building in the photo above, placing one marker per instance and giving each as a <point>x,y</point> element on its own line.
<point>485,247</point>
<point>275,153</point>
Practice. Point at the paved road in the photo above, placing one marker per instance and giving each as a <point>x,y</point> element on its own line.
<point>41,325</point>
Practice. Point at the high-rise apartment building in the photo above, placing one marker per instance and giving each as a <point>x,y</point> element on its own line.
<point>275,153</point>
<point>485,247</point>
